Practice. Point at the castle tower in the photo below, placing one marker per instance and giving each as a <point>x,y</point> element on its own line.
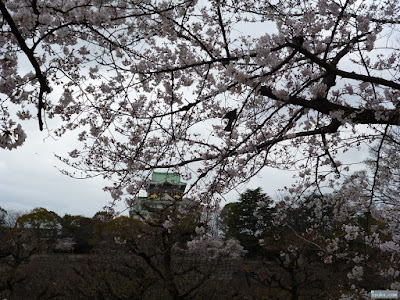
<point>163,189</point>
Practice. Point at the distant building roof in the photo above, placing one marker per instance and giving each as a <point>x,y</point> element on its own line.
<point>171,178</point>
<point>163,189</point>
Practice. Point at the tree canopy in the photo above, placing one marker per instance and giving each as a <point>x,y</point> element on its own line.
<point>246,221</point>
<point>218,91</point>
<point>147,84</point>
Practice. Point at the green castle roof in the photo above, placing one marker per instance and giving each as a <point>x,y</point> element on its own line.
<point>171,178</point>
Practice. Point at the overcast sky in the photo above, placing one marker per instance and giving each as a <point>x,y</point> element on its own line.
<point>29,178</point>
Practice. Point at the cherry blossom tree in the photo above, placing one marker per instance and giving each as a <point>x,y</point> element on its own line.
<point>146,84</point>
<point>346,233</point>
<point>157,257</point>
<point>17,247</point>
<point>217,90</point>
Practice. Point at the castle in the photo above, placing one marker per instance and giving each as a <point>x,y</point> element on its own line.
<point>163,189</point>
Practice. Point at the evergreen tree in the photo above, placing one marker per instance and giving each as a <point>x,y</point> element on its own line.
<point>248,219</point>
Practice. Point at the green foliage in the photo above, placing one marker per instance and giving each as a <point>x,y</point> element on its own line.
<point>102,216</point>
<point>39,218</point>
<point>121,228</point>
<point>42,223</point>
<point>81,229</point>
<point>3,225</point>
<point>247,220</point>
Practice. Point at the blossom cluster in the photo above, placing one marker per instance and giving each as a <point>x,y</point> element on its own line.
<point>11,138</point>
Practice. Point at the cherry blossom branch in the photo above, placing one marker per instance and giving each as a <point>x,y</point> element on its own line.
<point>193,36</point>
<point>221,24</point>
<point>44,87</point>
<point>339,18</point>
<point>356,115</point>
<point>280,14</point>
<point>144,14</point>
<point>350,75</point>
<point>331,128</point>
<point>198,284</point>
<point>50,32</point>
<point>375,177</point>
<point>327,152</point>
<point>304,239</point>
